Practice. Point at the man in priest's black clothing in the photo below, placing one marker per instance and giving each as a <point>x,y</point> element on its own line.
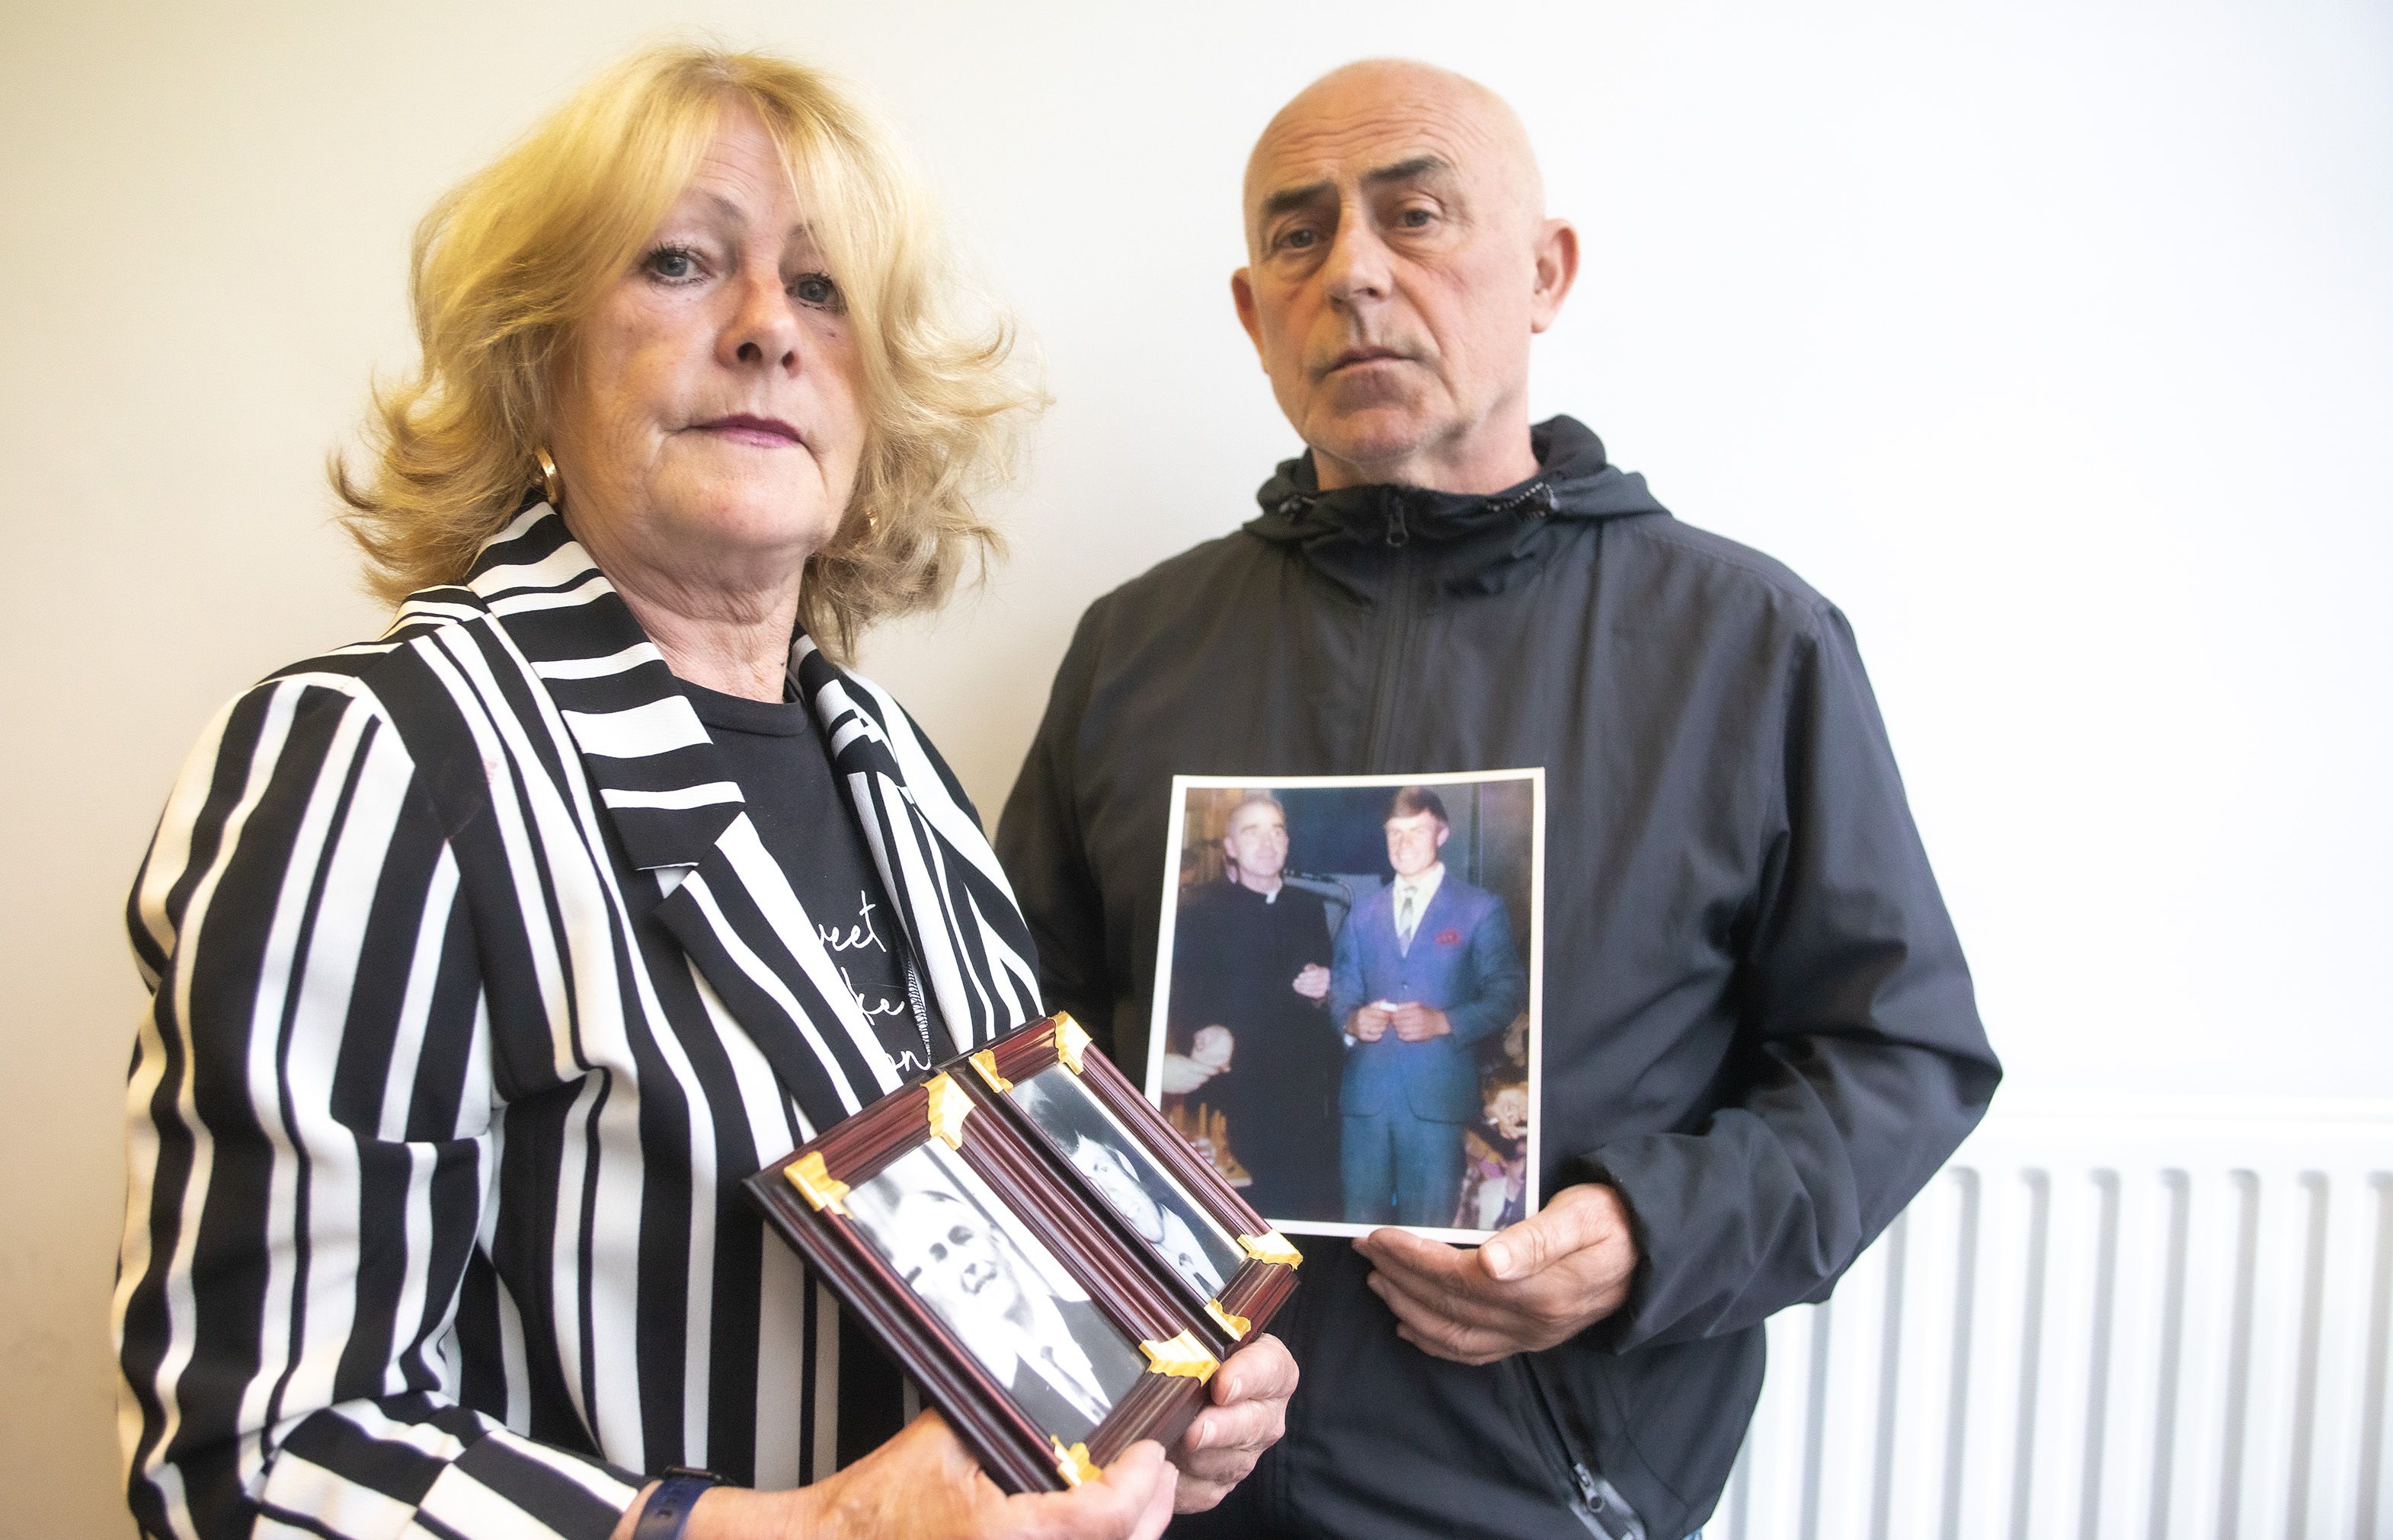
<point>1249,1036</point>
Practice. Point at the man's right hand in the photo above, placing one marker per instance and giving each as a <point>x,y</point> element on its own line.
<point>1214,1047</point>
<point>923,1484</point>
<point>1370,1022</point>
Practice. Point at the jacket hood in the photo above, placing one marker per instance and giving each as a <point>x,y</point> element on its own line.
<point>1470,542</point>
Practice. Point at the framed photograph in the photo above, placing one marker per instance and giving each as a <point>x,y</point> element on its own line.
<point>998,1279</point>
<point>1348,985</point>
<point>1216,1251</point>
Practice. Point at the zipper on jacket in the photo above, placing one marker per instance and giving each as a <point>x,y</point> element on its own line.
<point>1397,621</point>
<point>921,1010</point>
<point>1594,1501</point>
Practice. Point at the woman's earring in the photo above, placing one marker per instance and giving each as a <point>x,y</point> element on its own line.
<point>550,487</point>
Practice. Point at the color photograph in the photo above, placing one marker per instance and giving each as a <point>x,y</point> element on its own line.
<point>1346,1022</point>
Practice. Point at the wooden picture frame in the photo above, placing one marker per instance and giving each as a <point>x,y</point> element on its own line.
<point>1000,1278</point>
<point>1234,1300</point>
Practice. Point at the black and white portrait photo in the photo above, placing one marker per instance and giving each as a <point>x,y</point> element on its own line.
<point>999,1289</point>
<point>1141,1191</point>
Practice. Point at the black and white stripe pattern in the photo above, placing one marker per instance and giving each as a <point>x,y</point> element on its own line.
<point>476,996</point>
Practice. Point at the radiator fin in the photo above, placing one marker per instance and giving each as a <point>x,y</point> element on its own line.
<point>2103,1327</point>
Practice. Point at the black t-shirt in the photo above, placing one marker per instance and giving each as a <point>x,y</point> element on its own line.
<point>808,825</point>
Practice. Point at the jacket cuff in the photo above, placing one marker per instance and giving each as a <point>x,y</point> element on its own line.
<point>1651,1174</point>
<point>1480,1025</point>
<point>1610,1334</point>
<point>507,1485</point>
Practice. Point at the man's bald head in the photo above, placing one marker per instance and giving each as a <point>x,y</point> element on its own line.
<point>1399,260</point>
<point>1354,98</point>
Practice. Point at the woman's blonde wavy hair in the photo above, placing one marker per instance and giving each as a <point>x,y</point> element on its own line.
<point>507,262</point>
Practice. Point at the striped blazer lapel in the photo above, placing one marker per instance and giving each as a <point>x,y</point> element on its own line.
<point>967,935</point>
<point>667,793</point>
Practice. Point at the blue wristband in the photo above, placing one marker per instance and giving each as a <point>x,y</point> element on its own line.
<point>668,1508</point>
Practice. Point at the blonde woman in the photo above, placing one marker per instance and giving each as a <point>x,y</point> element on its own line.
<point>490,955</point>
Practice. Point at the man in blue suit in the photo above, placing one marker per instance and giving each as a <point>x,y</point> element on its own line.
<point>1423,970</point>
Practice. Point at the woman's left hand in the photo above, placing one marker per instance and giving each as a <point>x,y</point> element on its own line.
<point>1249,1414</point>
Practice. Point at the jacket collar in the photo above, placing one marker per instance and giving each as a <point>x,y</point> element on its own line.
<point>1470,544</point>
<point>668,791</point>
<point>668,794</point>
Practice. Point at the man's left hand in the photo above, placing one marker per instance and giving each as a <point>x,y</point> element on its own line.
<point>1416,1022</point>
<point>1249,1413</point>
<point>1535,1284</point>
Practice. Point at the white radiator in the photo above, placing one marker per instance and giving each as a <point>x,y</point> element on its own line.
<point>2134,1324</point>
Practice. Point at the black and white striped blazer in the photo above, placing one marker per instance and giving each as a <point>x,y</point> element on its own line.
<point>476,996</point>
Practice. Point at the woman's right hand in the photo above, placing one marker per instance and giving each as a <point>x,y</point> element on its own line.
<point>925,1484</point>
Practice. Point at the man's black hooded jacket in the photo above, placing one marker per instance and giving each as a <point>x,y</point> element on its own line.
<point>1758,1024</point>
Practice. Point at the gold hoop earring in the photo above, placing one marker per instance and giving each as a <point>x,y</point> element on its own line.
<point>551,486</point>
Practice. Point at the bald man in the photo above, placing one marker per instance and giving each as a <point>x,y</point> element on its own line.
<point>1760,1036</point>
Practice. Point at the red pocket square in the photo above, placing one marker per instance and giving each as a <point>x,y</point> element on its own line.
<point>1449,938</point>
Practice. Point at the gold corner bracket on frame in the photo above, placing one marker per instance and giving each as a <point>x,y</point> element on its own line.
<point>1071,1041</point>
<point>1271,1246</point>
<point>986,1062</point>
<point>1183,1356</point>
<point>949,1104</point>
<point>814,1181</point>
<point>1074,1463</point>
<point>1236,1325</point>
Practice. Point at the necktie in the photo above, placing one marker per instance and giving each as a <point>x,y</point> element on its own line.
<point>1405,917</point>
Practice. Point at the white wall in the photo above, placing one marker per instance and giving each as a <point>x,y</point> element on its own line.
<point>2053,341</point>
